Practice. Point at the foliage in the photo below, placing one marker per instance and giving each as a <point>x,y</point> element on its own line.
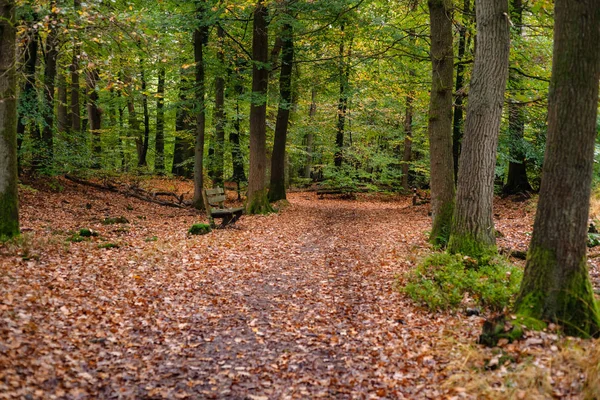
<point>442,280</point>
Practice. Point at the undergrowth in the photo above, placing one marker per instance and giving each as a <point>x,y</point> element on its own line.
<point>443,281</point>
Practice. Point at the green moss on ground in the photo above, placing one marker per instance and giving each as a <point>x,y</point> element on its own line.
<point>469,246</point>
<point>199,229</point>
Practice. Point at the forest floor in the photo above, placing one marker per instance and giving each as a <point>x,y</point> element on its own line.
<point>303,303</point>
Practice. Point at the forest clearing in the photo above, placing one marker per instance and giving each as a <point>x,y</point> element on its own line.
<point>303,303</point>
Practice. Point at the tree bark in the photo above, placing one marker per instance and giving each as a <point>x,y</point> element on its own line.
<point>407,152</point>
<point>457,124</point>
<point>9,199</point>
<point>277,186</point>
<point>219,143</point>
<point>159,143</point>
<point>61,112</point>
<point>94,117</point>
<point>556,285</point>
<point>47,153</point>
<point>75,107</point>
<point>440,121</point>
<point>146,140</point>
<point>473,231</point>
<point>237,156</point>
<point>517,181</point>
<point>343,71</point>
<point>310,136</point>
<point>200,35</point>
<point>183,148</point>
<point>257,202</point>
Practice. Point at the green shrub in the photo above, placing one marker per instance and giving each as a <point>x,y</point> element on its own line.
<point>442,280</point>
<point>199,229</point>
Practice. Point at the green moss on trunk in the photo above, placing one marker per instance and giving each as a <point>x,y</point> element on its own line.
<point>259,203</point>
<point>442,223</point>
<point>566,298</point>
<point>469,246</point>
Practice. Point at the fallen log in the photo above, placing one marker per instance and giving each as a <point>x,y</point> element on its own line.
<point>131,191</point>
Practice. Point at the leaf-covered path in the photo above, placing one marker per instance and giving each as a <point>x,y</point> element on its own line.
<point>300,304</point>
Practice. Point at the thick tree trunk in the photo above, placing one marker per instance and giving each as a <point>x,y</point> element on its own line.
<point>9,199</point>
<point>556,285</point>
<point>457,128</point>
<point>219,143</point>
<point>28,103</point>
<point>517,181</point>
<point>94,117</point>
<point>440,120</point>
<point>47,153</point>
<point>310,135</point>
<point>277,186</point>
<point>473,231</point>
<point>159,143</point>
<point>200,33</point>
<point>257,202</point>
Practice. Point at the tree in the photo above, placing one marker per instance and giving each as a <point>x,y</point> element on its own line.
<point>9,208</point>
<point>220,118</point>
<point>200,36</point>
<point>257,202</point>
<point>159,143</point>
<point>556,285</point>
<point>51,53</point>
<point>473,226</point>
<point>277,187</point>
<point>440,120</point>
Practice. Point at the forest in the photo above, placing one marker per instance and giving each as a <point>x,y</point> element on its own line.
<point>299,199</point>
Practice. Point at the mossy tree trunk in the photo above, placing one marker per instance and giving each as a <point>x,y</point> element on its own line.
<point>257,202</point>
<point>440,120</point>
<point>9,210</point>
<point>200,35</point>
<point>556,286</point>
<point>277,187</point>
<point>472,225</point>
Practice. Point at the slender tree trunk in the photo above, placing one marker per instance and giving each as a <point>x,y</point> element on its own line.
<point>237,156</point>
<point>312,112</point>
<point>457,129</point>
<point>517,181</point>
<point>556,284</point>
<point>473,231</point>
<point>75,107</point>
<point>62,114</point>
<point>143,161</point>
<point>94,117</point>
<point>183,148</point>
<point>159,144</point>
<point>440,120</point>
<point>219,143</point>
<point>342,102</point>
<point>200,33</point>
<point>28,103</point>
<point>124,162</point>
<point>277,187</point>
<point>49,82</point>
<point>9,199</point>
<point>257,193</point>
<point>406,157</point>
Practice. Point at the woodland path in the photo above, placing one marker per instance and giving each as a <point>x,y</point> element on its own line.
<point>299,304</point>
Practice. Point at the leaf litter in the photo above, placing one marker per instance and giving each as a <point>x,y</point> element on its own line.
<point>299,304</point>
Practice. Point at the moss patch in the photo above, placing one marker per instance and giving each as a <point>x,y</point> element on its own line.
<point>259,204</point>
<point>440,232</point>
<point>469,246</point>
<point>199,229</point>
<point>115,220</point>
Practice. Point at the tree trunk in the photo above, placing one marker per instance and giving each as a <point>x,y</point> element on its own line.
<point>257,202</point>
<point>556,285</point>
<point>62,114</point>
<point>310,136</point>
<point>406,157</point>
<point>159,144</point>
<point>219,142</point>
<point>47,153</point>
<point>183,148</point>
<point>457,128</point>
<point>94,117</point>
<point>200,35</point>
<point>134,128</point>
<point>440,121</point>
<point>28,103</point>
<point>343,71</point>
<point>145,141</point>
<point>75,107</point>
<point>473,231</point>
<point>9,199</point>
<point>277,186</point>
<point>237,156</point>
<point>517,181</point>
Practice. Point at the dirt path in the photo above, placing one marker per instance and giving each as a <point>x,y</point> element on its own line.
<point>299,304</point>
